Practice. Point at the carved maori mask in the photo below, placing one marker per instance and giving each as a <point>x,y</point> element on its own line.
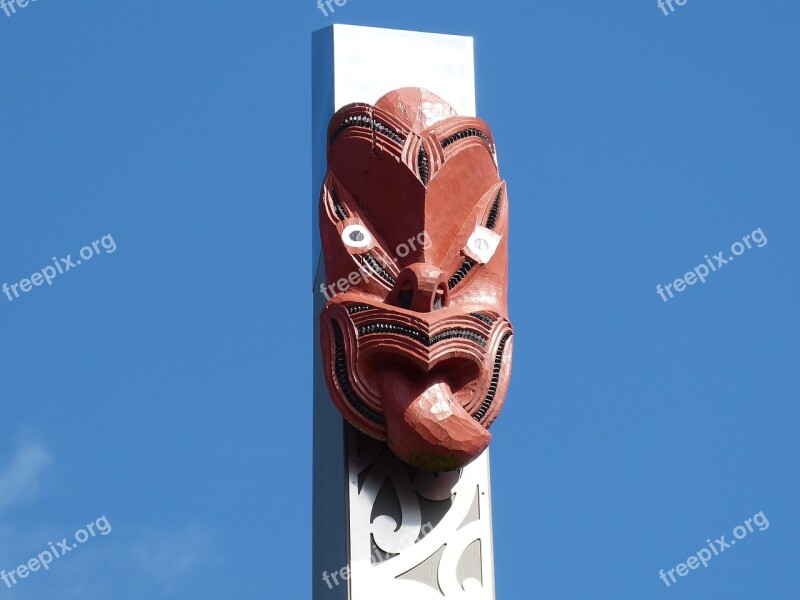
<point>416,339</point>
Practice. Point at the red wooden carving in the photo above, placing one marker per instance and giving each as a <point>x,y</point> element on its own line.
<point>416,339</point>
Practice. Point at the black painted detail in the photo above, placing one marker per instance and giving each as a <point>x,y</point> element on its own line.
<point>422,165</point>
<point>340,370</point>
<point>489,320</point>
<point>337,206</point>
<point>466,133</point>
<point>421,337</point>
<point>465,268</point>
<point>375,266</point>
<point>357,308</point>
<point>491,220</point>
<point>498,362</point>
<point>369,123</point>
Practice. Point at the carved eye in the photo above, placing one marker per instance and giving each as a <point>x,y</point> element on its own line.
<point>482,244</point>
<point>356,236</point>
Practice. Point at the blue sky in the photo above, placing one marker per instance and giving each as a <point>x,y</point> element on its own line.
<point>165,385</point>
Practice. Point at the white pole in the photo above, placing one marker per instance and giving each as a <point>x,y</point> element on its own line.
<point>381,529</point>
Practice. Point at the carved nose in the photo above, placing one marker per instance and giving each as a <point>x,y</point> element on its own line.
<point>420,287</point>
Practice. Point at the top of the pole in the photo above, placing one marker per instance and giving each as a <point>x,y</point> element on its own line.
<point>371,61</point>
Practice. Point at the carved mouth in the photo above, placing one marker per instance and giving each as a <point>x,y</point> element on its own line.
<point>390,366</point>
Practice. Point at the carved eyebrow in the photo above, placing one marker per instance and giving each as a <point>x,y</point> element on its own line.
<point>369,123</point>
<point>465,133</point>
<point>462,272</point>
<point>372,262</point>
<point>491,220</point>
<point>468,264</point>
<point>337,206</point>
<point>368,258</point>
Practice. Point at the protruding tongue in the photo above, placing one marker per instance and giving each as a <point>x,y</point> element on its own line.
<point>426,426</point>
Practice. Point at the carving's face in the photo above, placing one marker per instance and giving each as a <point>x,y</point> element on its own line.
<point>416,340</point>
